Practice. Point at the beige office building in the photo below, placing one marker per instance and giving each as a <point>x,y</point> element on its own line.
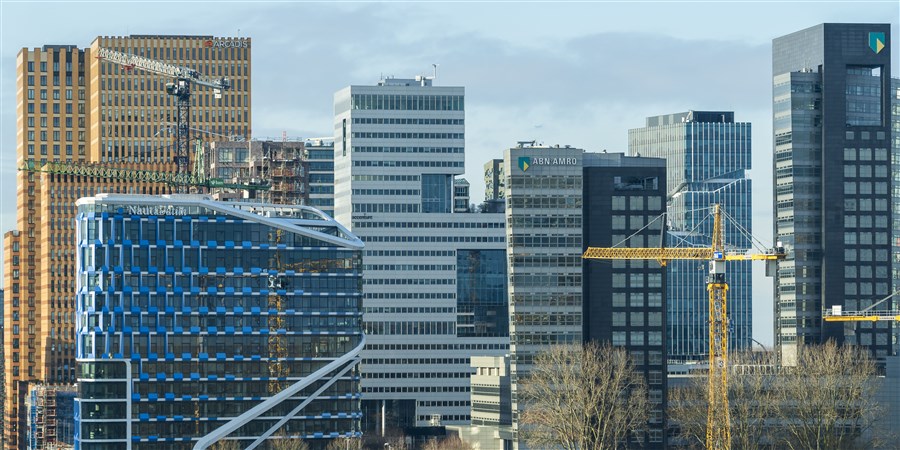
<point>73,107</point>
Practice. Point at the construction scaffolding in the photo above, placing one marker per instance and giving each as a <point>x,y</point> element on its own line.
<point>282,166</point>
<point>50,417</point>
<point>287,169</point>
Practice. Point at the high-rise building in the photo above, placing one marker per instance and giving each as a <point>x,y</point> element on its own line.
<point>624,202</point>
<point>544,213</point>
<point>833,183</point>
<point>707,157</point>
<point>559,202</point>
<point>200,320</point>
<point>73,107</point>
<point>320,154</point>
<point>895,190</point>
<point>399,146</point>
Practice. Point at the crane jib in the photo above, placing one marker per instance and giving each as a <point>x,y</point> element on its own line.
<point>145,64</point>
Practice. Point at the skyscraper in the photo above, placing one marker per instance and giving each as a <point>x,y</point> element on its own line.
<point>199,321</point>
<point>560,200</point>
<point>73,107</point>
<point>431,296</point>
<point>707,155</point>
<point>833,184</point>
<point>624,202</point>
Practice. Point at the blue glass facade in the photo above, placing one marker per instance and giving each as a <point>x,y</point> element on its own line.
<point>191,313</point>
<point>481,302</point>
<point>707,155</point>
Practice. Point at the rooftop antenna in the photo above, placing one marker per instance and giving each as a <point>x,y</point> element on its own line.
<point>434,71</point>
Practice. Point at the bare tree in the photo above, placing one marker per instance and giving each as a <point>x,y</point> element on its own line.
<point>447,443</point>
<point>223,444</point>
<point>287,443</point>
<point>751,402</point>
<point>583,397</point>
<point>344,444</point>
<point>828,401</point>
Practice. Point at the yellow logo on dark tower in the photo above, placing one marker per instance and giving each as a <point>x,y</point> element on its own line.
<point>876,41</point>
<point>524,163</point>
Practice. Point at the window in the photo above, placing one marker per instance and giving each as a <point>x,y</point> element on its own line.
<point>637,338</point>
<point>637,300</point>
<point>637,203</point>
<point>637,319</point>
<point>637,280</point>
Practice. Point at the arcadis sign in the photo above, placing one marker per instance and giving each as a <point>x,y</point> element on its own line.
<point>227,43</point>
<point>525,162</point>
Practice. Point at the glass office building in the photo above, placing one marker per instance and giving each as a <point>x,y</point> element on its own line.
<point>198,321</point>
<point>833,182</point>
<point>707,158</point>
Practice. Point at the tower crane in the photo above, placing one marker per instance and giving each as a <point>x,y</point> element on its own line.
<point>718,427</point>
<point>180,88</point>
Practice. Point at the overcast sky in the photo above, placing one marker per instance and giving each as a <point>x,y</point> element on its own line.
<point>561,73</point>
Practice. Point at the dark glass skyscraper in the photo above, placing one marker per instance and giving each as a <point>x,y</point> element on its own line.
<point>198,321</point>
<point>624,199</point>
<point>707,155</point>
<point>833,184</point>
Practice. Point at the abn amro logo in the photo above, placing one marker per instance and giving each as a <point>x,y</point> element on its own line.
<point>876,41</point>
<point>524,163</point>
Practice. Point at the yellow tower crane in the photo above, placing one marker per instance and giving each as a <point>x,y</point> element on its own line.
<point>718,426</point>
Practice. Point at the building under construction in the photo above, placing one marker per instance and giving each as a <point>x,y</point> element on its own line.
<point>282,165</point>
<point>51,417</point>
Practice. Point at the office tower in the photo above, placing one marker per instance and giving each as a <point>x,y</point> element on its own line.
<point>559,202</point>
<point>320,154</point>
<point>707,155</point>
<point>397,152</point>
<point>135,117</point>
<point>73,107</point>
<point>833,188</point>
<point>895,164</point>
<point>624,202</point>
<point>200,320</point>
<point>544,218</point>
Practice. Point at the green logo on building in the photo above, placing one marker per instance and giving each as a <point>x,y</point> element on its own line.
<point>524,163</point>
<point>876,41</point>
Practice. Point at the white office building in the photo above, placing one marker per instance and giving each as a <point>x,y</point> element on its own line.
<point>434,273</point>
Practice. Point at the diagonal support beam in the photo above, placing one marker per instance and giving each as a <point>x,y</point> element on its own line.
<point>302,405</point>
<point>256,411</point>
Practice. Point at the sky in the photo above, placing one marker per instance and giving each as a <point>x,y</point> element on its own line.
<point>577,73</point>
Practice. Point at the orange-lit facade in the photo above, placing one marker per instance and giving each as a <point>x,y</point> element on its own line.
<point>73,107</point>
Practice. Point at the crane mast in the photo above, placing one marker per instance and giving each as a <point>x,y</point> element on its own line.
<point>180,87</point>
<point>718,425</point>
